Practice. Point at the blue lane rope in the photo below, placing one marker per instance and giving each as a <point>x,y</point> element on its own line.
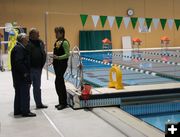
<point>147,59</point>
<point>152,73</point>
<point>162,54</point>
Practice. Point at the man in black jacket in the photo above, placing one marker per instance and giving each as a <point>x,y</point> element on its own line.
<point>38,59</point>
<point>20,62</point>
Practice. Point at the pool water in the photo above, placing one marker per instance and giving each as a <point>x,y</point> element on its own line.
<point>159,120</point>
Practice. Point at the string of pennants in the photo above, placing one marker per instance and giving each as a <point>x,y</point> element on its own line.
<point>133,20</point>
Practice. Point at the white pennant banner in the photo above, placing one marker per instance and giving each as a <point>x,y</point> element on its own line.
<point>170,23</point>
<point>95,19</point>
<point>126,21</point>
<point>141,22</point>
<point>111,20</point>
<point>155,22</point>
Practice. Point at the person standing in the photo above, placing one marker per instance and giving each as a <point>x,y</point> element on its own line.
<point>20,62</point>
<point>38,59</point>
<point>60,58</point>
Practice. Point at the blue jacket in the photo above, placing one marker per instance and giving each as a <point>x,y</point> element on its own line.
<point>20,61</point>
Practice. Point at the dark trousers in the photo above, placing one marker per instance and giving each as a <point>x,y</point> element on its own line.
<point>36,83</point>
<point>22,99</point>
<point>60,69</point>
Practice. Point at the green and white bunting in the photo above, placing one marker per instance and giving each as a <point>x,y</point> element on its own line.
<point>177,22</point>
<point>163,23</point>
<point>148,22</point>
<point>111,20</point>
<point>134,20</point>
<point>170,23</point>
<point>155,22</point>
<point>103,20</point>
<point>119,21</point>
<point>83,19</point>
<point>95,19</point>
<point>141,22</point>
<point>126,21</point>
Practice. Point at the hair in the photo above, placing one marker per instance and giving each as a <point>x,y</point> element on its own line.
<point>21,36</point>
<point>32,31</point>
<point>60,30</point>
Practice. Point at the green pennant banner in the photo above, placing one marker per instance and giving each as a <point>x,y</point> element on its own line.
<point>119,21</point>
<point>148,22</point>
<point>103,20</point>
<point>134,22</point>
<point>83,19</point>
<point>163,23</point>
<point>177,22</point>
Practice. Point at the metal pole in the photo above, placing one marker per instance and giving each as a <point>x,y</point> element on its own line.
<point>46,41</point>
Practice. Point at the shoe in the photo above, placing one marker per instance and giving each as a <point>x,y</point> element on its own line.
<point>30,114</point>
<point>61,107</point>
<point>16,114</point>
<point>41,107</point>
<point>56,106</point>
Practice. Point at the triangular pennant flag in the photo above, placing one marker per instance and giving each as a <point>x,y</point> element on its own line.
<point>103,20</point>
<point>177,22</point>
<point>148,22</point>
<point>155,22</point>
<point>163,23</point>
<point>170,23</point>
<point>118,21</point>
<point>111,20</point>
<point>134,21</point>
<point>141,22</point>
<point>126,21</point>
<point>95,19</point>
<point>83,19</point>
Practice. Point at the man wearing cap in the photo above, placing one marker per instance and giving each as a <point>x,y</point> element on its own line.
<point>20,62</point>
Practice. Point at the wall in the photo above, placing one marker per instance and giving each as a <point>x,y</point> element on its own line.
<point>30,13</point>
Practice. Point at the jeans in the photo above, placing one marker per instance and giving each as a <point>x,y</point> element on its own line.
<point>36,83</point>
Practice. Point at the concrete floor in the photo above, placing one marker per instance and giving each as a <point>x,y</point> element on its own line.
<point>99,122</point>
<point>49,122</point>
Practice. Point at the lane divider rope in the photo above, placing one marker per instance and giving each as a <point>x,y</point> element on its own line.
<point>161,54</point>
<point>132,69</point>
<point>146,59</point>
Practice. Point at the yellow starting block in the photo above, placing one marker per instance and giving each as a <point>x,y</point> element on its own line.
<point>118,82</point>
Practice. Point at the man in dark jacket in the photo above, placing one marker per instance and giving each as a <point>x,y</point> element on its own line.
<point>20,62</point>
<point>38,59</point>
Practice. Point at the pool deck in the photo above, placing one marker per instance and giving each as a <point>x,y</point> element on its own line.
<point>142,88</point>
<point>97,122</point>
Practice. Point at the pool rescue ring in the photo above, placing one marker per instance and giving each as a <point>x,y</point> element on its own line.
<point>118,82</point>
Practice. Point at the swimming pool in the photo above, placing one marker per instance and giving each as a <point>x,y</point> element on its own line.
<point>156,114</point>
<point>160,119</point>
<point>144,68</point>
<point>137,68</point>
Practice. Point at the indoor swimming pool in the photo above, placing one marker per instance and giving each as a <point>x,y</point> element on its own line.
<point>150,67</point>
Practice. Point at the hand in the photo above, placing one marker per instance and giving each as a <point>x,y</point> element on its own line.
<point>55,57</point>
<point>51,56</point>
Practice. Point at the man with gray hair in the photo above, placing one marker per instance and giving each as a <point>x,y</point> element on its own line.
<point>20,62</point>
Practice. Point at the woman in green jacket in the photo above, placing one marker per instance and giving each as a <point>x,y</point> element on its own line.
<point>60,61</point>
